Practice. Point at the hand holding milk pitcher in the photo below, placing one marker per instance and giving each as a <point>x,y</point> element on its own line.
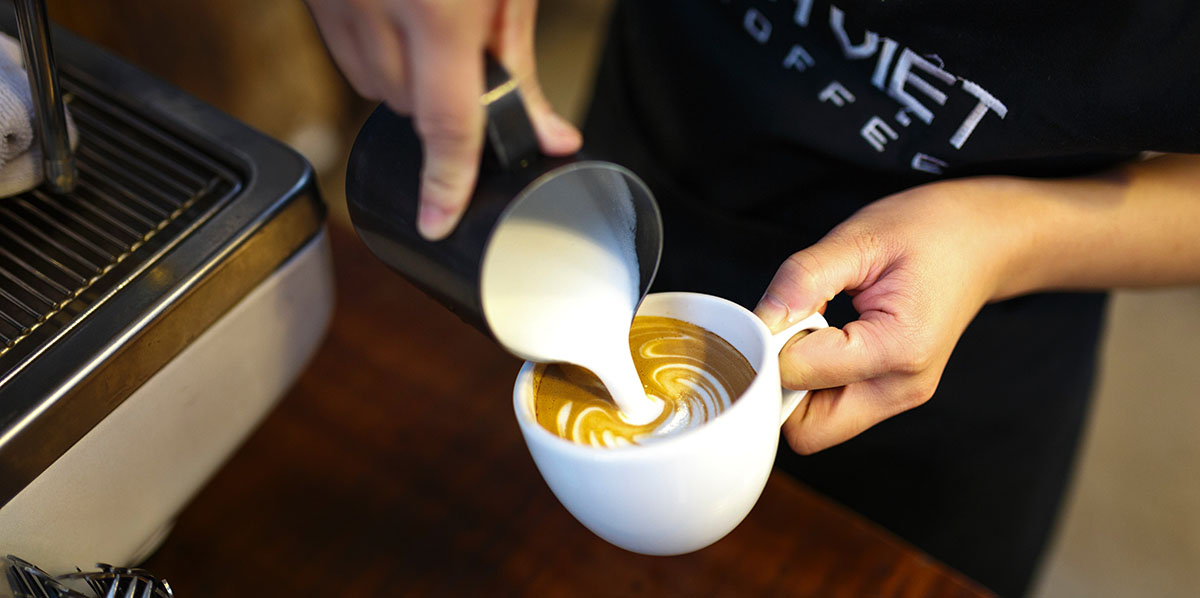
<point>902,258</point>
<point>425,58</point>
<point>660,448</point>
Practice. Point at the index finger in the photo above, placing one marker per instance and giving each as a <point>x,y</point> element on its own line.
<point>809,279</point>
<point>446,62</point>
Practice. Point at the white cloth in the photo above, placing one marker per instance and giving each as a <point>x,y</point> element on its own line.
<point>20,151</point>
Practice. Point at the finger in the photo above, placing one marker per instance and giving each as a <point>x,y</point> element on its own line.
<point>810,278</point>
<point>556,135</point>
<point>829,417</point>
<point>446,66</point>
<point>832,357</point>
<point>383,46</point>
<point>513,44</point>
<point>341,39</point>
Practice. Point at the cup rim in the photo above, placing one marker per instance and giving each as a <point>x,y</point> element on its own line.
<point>530,426</point>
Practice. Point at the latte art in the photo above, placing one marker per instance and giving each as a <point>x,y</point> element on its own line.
<point>695,373</point>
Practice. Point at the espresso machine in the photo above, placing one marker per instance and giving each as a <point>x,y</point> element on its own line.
<point>158,294</point>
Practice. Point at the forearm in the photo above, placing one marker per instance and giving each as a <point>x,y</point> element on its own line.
<point>1135,226</point>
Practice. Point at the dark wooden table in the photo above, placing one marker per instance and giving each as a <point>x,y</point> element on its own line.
<point>395,467</point>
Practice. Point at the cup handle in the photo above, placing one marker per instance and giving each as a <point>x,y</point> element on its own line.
<point>792,398</point>
<point>509,132</point>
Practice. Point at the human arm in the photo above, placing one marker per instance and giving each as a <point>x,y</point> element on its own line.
<point>921,263</point>
<point>425,58</point>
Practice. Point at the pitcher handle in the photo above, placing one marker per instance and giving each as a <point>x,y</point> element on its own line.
<point>509,131</point>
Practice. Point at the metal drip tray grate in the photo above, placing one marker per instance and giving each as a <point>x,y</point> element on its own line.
<point>140,189</point>
<point>179,213</point>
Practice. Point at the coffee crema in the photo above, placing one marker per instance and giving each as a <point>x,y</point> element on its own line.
<point>694,372</point>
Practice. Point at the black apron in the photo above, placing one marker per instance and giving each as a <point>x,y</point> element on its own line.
<point>762,125</point>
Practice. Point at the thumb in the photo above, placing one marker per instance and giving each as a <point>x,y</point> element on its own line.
<point>810,278</point>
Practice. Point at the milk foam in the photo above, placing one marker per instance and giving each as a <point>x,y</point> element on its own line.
<point>694,372</point>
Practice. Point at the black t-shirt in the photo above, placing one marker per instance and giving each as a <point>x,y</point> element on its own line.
<point>773,116</point>
<point>762,124</point>
<point>945,87</point>
<point>936,88</point>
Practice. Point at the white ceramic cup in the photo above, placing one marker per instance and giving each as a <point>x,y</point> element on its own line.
<point>681,493</point>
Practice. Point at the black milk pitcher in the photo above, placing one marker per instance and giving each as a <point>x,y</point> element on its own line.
<point>383,176</point>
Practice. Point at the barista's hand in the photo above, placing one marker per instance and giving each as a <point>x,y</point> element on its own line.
<point>919,265</point>
<point>425,58</point>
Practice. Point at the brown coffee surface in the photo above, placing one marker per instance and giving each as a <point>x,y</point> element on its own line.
<point>696,373</point>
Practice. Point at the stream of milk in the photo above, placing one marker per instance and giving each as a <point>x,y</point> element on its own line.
<point>560,284</point>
